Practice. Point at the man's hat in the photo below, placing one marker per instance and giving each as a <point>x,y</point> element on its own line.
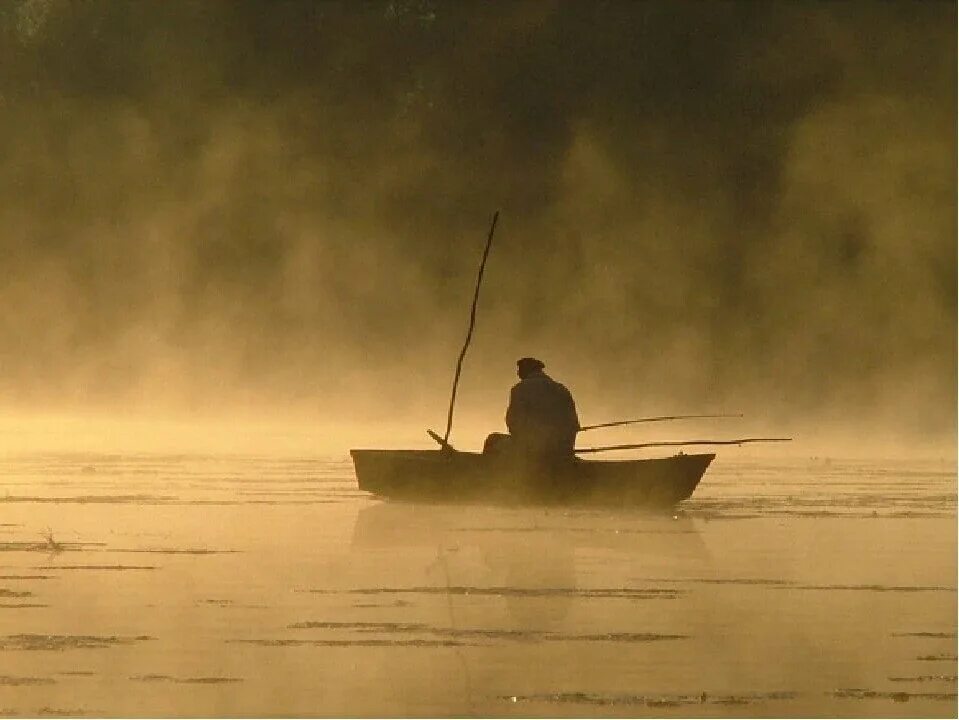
<point>528,364</point>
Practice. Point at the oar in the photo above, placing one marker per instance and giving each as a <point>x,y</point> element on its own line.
<point>444,441</point>
<point>443,444</point>
<point>636,446</point>
<point>659,418</point>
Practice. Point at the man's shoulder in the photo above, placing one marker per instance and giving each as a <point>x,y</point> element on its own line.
<point>562,389</point>
<point>554,383</point>
<point>528,383</point>
<point>519,388</point>
<point>538,382</point>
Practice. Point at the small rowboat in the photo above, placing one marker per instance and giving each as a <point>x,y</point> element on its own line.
<point>453,476</point>
<point>448,475</point>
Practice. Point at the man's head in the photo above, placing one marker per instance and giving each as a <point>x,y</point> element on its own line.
<point>527,366</point>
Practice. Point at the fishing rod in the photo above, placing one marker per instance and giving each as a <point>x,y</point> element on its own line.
<point>659,418</point>
<point>636,446</point>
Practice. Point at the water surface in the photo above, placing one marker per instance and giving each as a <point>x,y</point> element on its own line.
<point>225,585</point>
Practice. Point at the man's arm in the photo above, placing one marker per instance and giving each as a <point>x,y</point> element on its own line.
<point>511,410</point>
<point>515,413</point>
<point>574,416</point>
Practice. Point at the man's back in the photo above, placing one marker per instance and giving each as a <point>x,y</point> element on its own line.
<point>542,414</point>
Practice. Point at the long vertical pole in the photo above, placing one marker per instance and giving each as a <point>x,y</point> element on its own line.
<point>469,332</point>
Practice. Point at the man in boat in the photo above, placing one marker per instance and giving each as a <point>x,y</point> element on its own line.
<point>541,418</point>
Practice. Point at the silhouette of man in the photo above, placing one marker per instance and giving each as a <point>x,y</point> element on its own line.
<point>541,417</point>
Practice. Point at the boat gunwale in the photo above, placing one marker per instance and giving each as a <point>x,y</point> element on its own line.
<point>478,455</point>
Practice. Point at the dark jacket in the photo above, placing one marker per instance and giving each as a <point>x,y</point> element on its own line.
<point>542,415</point>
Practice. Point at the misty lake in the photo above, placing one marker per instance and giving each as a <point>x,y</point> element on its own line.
<point>257,586</point>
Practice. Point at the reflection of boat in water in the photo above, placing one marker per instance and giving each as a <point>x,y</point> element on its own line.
<point>534,563</point>
<point>453,476</point>
<point>403,525</point>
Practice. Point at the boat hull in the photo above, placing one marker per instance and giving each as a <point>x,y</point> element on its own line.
<point>444,476</point>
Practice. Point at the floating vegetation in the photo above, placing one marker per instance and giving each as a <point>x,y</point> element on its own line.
<point>497,634</point>
<point>926,678</point>
<point>4,593</point>
<point>4,606</point>
<point>793,585</point>
<point>573,531</point>
<point>589,593</point>
<point>188,680</point>
<point>942,635</point>
<point>859,694</point>
<point>63,712</point>
<point>724,581</point>
<point>91,499</point>
<point>618,637</point>
<point>51,544</point>
<point>28,577</point>
<point>874,588</point>
<point>938,658</point>
<point>363,626</point>
<point>98,567</point>
<point>173,551</point>
<point>651,700</point>
<point>277,642</point>
<point>10,680</point>
<point>47,546</point>
<point>288,502</point>
<point>66,642</point>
